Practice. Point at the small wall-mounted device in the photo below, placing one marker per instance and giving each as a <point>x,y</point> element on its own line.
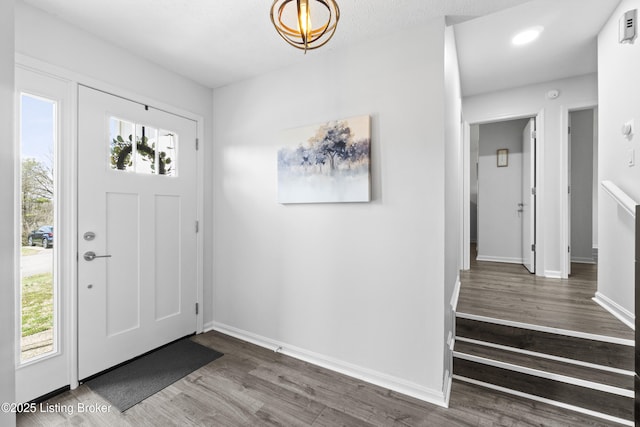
<point>627,129</point>
<point>553,94</point>
<point>628,26</point>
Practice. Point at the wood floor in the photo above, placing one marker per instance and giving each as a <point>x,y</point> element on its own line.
<point>509,292</point>
<point>544,338</point>
<point>252,386</point>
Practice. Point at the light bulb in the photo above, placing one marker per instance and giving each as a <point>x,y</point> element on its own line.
<point>304,18</point>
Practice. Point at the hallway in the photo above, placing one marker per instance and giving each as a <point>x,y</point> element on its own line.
<point>509,292</point>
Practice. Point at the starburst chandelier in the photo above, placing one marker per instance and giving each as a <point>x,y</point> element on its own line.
<point>296,26</point>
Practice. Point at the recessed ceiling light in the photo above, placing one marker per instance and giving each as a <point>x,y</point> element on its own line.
<point>527,36</point>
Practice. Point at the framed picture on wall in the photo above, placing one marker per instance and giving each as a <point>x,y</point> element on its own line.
<point>326,163</point>
<point>503,157</point>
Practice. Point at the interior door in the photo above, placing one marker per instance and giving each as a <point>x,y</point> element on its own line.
<point>528,196</point>
<point>137,205</point>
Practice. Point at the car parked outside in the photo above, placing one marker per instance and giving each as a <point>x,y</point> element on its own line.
<point>43,235</point>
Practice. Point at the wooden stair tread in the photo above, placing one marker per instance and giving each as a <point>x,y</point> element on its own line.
<point>546,365</point>
<point>582,397</point>
<point>592,351</point>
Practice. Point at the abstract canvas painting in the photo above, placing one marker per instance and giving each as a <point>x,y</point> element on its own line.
<point>326,163</point>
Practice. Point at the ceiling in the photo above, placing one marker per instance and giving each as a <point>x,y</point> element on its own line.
<point>217,42</point>
<point>566,47</point>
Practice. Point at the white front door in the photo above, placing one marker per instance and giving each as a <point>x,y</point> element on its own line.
<point>137,209</point>
<point>528,196</point>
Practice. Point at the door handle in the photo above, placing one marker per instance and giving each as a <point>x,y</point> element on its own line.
<point>90,256</point>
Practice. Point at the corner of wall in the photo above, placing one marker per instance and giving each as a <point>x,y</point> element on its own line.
<point>7,173</point>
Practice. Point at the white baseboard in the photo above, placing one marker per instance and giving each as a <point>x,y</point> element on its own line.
<point>207,327</point>
<point>390,382</point>
<point>499,259</point>
<point>456,294</point>
<point>448,382</point>
<point>552,274</point>
<point>624,315</point>
<point>583,260</point>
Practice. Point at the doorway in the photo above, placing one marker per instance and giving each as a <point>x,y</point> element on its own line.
<point>502,191</point>
<point>582,194</point>
<point>137,230</point>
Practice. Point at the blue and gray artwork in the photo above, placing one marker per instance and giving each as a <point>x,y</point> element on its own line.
<point>327,163</point>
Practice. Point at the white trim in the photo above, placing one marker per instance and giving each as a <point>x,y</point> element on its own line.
<point>55,369</point>
<point>466,195</point>
<point>582,260</point>
<point>553,274</point>
<point>539,238</point>
<point>436,397</point>
<point>448,383</point>
<point>548,375</point>
<point>456,294</point>
<point>207,327</point>
<point>565,179</point>
<point>507,260</point>
<point>547,401</point>
<point>540,165</point>
<point>547,356</point>
<point>559,331</point>
<point>621,313</point>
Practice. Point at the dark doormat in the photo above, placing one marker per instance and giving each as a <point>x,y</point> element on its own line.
<point>133,382</point>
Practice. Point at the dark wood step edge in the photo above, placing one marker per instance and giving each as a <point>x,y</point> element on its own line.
<point>544,356</point>
<point>548,329</point>
<point>558,404</point>
<point>544,374</point>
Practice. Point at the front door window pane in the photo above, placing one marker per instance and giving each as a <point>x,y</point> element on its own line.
<point>142,149</point>
<point>168,153</point>
<point>122,150</point>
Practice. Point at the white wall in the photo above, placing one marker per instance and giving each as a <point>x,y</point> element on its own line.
<point>7,318</point>
<point>619,68</point>
<point>500,191</point>
<point>359,287</point>
<point>46,38</point>
<point>453,185</point>
<point>528,101</point>
<point>582,144</point>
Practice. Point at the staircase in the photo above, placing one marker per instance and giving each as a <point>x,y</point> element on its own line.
<point>591,374</point>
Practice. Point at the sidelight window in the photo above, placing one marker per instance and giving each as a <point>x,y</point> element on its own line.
<point>38,288</point>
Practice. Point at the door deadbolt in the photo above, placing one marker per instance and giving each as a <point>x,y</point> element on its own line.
<point>89,236</point>
<point>90,256</point>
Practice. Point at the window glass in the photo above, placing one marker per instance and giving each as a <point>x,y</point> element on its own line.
<point>142,149</point>
<point>38,291</point>
<point>121,134</point>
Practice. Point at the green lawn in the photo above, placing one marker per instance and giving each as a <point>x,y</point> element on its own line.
<point>37,304</point>
<point>26,251</point>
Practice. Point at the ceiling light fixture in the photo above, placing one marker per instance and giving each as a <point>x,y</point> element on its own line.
<point>527,36</point>
<point>296,27</point>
